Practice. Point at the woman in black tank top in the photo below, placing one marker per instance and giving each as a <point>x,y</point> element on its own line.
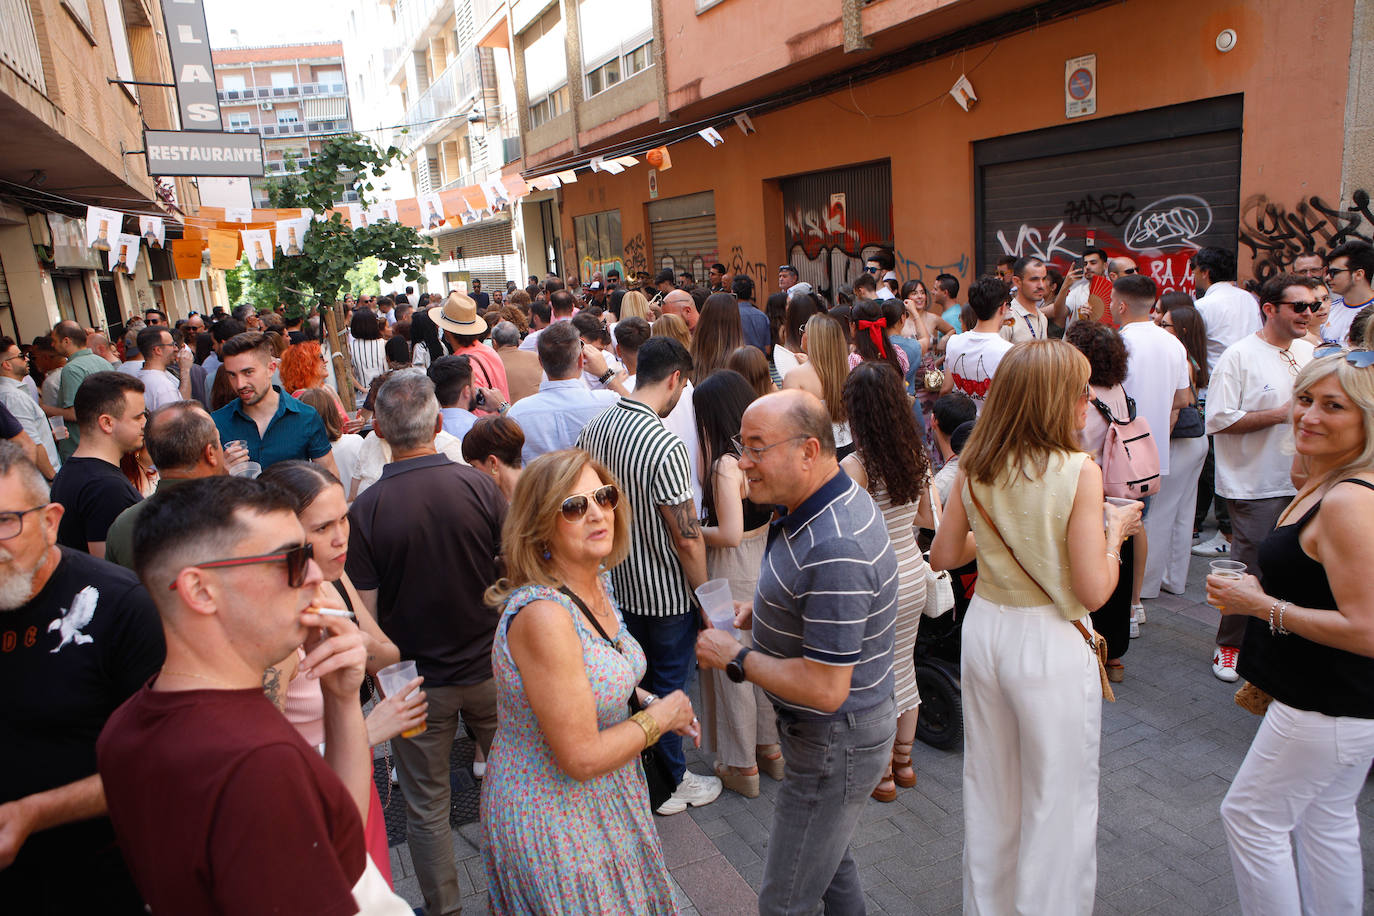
<point>1309,646</point>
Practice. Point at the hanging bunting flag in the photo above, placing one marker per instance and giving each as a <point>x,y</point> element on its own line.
<point>186,258</point>
<point>545,183</point>
<point>658,158</point>
<point>290,236</point>
<point>123,255</point>
<point>711,136</point>
<point>474,201</point>
<point>153,231</point>
<point>627,161</point>
<point>431,211</point>
<point>238,214</point>
<point>257,244</point>
<point>745,125</point>
<point>494,193</point>
<point>516,186</point>
<point>354,216</point>
<point>568,177</point>
<point>224,249</point>
<point>101,227</point>
<point>612,167</point>
<point>597,164</point>
<point>408,212</point>
<point>381,210</point>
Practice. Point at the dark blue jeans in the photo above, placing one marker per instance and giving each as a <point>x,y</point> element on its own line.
<point>832,767</point>
<point>669,645</point>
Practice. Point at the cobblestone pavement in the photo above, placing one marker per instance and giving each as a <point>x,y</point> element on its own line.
<point>1170,746</point>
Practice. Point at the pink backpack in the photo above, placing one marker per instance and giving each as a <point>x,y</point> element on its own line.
<point>1130,456</point>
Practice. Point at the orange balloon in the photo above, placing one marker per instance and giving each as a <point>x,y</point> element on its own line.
<point>654,157</point>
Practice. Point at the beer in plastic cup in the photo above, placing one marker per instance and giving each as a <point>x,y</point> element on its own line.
<point>393,679</point>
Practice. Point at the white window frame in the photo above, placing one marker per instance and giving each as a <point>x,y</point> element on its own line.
<point>235,82</point>
<point>119,44</point>
<point>283,80</point>
<point>244,117</point>
<point>288,116</point>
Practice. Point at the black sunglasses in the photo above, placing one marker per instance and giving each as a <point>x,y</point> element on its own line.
<point>1359,358</point>
<point>1301,307</point>
<point>297,560</point>
<point>575,507</point>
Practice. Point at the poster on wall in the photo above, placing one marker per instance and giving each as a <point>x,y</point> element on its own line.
<point>1080,86</point>
<point>101,227</point>
<point>257,244</point>
<point>153,230</point>
<point>123,254</point>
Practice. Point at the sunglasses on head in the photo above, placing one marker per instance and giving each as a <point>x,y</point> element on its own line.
<point>1359,358</point>
<point>575,507</point>
<point>297,560</point>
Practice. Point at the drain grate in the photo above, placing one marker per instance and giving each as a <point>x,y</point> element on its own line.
<point>463,807</point>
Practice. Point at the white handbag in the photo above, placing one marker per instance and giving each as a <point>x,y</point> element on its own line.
<point>939,586</point>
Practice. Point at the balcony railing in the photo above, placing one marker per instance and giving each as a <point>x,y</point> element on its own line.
<point>295,128</point>
<point>413,17</point>
<point>294,91</point>
<point>283,167</point>
<point>449,95</point>
<point>19,43</point>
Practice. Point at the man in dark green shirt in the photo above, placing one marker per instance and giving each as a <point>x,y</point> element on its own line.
<point>69,339</point>
<point>184,445</point>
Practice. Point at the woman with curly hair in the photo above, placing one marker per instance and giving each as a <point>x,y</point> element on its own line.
<point>824,372</point>
<point>1106,353</point>
<point>303,367</point>
<point>890,462</point>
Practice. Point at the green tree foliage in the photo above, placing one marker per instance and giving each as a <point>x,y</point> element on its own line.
<point>332,248</point>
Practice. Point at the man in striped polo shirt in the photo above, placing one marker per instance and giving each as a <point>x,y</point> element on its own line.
<point>667,554</point>
<point>823,619</point>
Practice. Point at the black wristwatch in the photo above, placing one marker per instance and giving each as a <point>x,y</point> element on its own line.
<point>734,669</point>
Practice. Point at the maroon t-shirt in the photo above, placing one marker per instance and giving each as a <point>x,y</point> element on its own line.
<point>220,807</point>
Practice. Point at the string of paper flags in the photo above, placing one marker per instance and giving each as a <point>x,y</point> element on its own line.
<point>229,233</point>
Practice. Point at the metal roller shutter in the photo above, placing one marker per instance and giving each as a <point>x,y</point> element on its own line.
<point>683,233</point>
<point>1155,200</point>
<point>834,220</point>
<point>488,253</point>
<point>6,307</point>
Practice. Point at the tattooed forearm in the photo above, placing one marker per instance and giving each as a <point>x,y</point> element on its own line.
<point>684,514</point>
<point>272,689</point>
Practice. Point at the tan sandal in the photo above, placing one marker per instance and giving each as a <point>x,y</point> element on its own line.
<point>769,758</point>
<point>1116,672</point>
<point>902,773</point>
<point>886,794</point>
<point>734,779</point>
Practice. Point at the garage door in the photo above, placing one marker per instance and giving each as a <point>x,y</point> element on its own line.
<point>834,220</point>
<point>487,252</point>
<point>682,231</point>
<point>1156,199</point>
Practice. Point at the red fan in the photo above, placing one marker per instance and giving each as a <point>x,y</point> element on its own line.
<point>1099,295</point>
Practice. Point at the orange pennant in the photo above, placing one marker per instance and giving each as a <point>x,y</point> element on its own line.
<point>224,249</point>
<point>186,258</point>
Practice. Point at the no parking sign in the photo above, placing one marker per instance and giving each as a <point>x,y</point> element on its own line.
<point>1080,86</point>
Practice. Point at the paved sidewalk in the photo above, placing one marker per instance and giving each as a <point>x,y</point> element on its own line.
<point>1170,746</point>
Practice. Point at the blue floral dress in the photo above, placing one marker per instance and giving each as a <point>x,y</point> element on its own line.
<point>553,845</point>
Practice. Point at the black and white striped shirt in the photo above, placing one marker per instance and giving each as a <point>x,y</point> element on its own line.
<point>828,592</point>
<point>369,359</point>
<point>652,468</point>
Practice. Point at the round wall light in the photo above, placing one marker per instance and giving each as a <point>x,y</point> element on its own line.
<point>1226,40</point>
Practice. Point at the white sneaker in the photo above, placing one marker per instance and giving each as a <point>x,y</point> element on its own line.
<point>1135,628</point>
<point>694,790</point>
<point>1218,546</point>
<point>1138,613</point>
<point>1224,664</point>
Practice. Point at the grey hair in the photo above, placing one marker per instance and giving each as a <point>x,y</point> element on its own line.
<point>13,459</point>
<point>505,334</point>
<point>178,433</point>
<point>808,417</point>
<point>407,410</point>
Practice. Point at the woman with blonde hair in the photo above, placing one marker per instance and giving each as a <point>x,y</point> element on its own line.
<point>719,331</point>
<point>1032,499</point>
<point>634,305</point>
<point>673,326</point>
<point>824,373</point>
<point>566,823</point>
<point>1309,647</point>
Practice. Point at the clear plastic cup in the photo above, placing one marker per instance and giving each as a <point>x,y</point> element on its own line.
<point>250,469</point>
<point>393,679</point>
<point>1227,569</point>
<point>718,603</point>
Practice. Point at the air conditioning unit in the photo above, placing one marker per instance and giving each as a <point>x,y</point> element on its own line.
<point>264,106</point>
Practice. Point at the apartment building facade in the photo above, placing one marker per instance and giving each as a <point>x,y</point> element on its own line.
<point>73,112</point>
<point>295,96</point>
<point>949,133</point>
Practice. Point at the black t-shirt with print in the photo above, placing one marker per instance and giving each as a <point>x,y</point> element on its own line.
<point>93,492</point>
<point>68,659</point>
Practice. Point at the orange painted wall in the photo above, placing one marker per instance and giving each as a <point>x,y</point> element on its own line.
<point>1290,62</point>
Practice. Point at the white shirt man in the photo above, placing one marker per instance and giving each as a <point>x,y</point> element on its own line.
<point>1028,323</point>
<point>1074,291</point>
<point>1349,274</point>
<point>1229,311</point>
<point>971,358</point>
<point>15,395</point>
<point>1248,404</point>
<point>160,387</point>
<point>1156,362</point>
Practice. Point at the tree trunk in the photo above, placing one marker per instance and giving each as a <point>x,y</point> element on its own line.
<point>343,363</point>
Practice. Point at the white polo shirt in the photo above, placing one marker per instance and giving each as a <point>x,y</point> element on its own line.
<point>1231,314</point>
<point>1156,367</point>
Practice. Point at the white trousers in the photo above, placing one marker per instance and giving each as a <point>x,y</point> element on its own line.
<point>1296,791</point>
<point>1032,729</point>
<point>1169,526</point>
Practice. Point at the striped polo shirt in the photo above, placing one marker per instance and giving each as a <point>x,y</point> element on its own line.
<point>652,467</point>
<point>828,592</point>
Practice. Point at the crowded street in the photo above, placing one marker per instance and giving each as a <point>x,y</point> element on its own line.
<point>631,458</point>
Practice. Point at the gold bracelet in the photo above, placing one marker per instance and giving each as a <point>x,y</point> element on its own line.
<point>650,726</point>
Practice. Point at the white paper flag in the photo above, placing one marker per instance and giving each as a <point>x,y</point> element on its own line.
<point>102,226</point>
<point>238,214</point>
<point>153,231</point>
<point>257,245</point>
<point>711,136</point>
<point>291,234</point>
<point>568,176</point>
<point>431,211</point>
<point>495,193</point>
<point>743,122</point>
<point>123,254</point>
<point>382,209</point>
